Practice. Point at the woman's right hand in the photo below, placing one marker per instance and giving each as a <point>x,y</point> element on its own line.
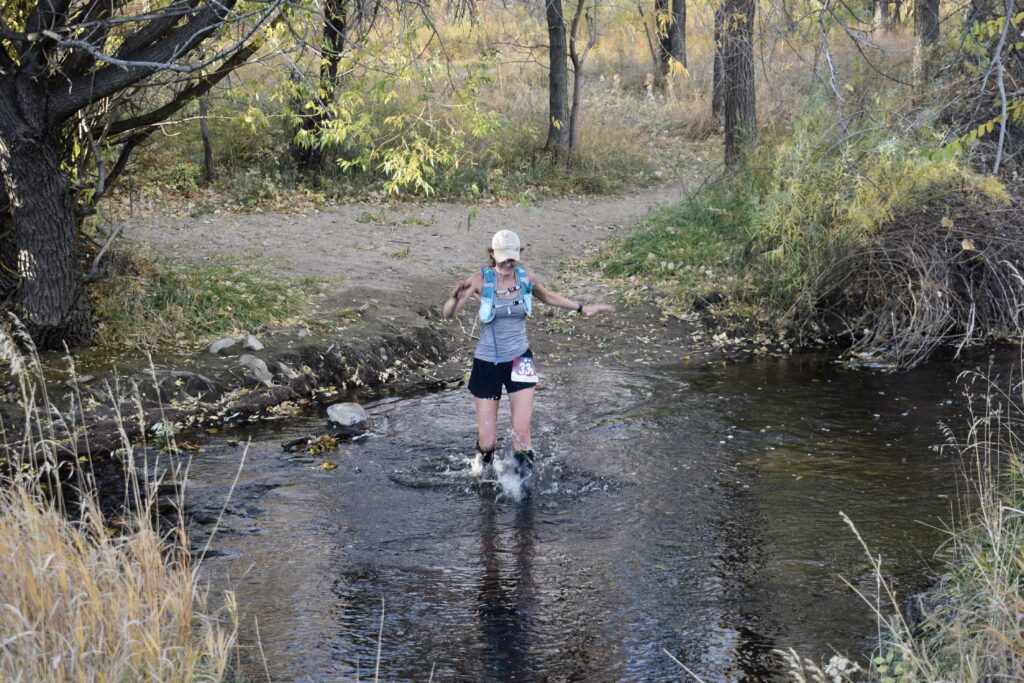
<point>594,309</point>
<point>459,294</point>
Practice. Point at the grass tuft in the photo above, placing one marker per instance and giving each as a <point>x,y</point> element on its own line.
<point>162,304</point>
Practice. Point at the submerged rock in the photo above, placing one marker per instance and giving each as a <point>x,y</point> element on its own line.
<point>286,371</point>
<point>257,369</point>
<point>222,345</point>
<point>349,419</point>
<point>251,343</point>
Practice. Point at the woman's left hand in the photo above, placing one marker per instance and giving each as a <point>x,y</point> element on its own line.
<point>594,309</point>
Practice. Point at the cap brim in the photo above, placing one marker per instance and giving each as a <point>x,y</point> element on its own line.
<point>506,254</point>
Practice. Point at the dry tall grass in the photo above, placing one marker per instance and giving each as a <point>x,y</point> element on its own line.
<point>79,604</point>
<point>79,600</point>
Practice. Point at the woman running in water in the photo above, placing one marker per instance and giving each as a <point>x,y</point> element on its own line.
<point>503,357</point>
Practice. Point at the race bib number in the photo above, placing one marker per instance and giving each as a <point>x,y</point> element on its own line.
<point>523,370</point>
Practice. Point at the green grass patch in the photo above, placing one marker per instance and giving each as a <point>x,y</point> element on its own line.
<point>160,304</point>
<point>688,248</point>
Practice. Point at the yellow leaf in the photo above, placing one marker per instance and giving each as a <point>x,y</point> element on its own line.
<point>328,465</point>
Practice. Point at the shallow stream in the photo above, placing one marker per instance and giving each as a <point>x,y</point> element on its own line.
<point>687,511</point>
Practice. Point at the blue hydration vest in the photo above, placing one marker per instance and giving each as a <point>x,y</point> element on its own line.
<point>489,292</point>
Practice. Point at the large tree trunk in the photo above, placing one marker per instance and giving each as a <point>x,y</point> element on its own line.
<point>738,80</point>
<point>717,86</point>
<point>49,295</point>
<point>671,26</point>
<point>335,26</point>
<point>559,141</point>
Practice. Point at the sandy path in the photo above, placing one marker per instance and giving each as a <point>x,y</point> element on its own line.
<point>405,249</point>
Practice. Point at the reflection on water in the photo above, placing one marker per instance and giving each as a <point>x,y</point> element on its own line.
<point>506,595</point>
<point>693,511</point>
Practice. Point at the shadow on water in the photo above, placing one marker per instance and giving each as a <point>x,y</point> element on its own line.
<point>693,511</point>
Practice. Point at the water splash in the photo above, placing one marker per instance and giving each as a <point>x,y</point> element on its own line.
<point>508,481</point>
<point>502,476</point>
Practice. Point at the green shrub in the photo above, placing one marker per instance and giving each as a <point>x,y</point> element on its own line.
<point>821,199</point>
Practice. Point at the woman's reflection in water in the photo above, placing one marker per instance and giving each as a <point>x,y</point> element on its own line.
<point>507,594</point>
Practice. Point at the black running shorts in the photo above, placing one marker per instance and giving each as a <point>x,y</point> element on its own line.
<point>487,378</point>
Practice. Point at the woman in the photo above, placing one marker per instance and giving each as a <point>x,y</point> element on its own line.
<point>503,356</point>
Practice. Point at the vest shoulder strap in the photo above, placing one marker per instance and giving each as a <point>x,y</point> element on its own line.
<point>487,294</point>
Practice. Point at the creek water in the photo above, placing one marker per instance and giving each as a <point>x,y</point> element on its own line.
<point>693,511</point>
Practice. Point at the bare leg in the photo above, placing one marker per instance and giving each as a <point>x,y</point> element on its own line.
<point>486,422</point>
<point>522,413</point>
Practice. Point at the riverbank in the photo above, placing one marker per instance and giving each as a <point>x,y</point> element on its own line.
<point>371,327</point>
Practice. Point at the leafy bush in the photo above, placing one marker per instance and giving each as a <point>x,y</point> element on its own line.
<point>821,199</point>
<point>905,250</point>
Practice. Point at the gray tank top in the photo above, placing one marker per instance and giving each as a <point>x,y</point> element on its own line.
<point>504,338</point>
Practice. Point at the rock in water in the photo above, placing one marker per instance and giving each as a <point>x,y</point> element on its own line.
<point>349,418</point>
<point>251,343</point>
<point>221,345</point>
<point>257,369</point>
<point>287,371</point>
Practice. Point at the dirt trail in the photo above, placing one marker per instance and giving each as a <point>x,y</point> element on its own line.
<point>403,251</point>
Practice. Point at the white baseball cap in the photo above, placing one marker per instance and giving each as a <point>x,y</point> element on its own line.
<point>505,245</point>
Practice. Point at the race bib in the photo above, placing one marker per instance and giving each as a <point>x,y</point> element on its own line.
<point>523,370</point>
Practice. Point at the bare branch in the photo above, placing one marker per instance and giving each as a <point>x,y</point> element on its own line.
<point>833,80</point>
<point>187,94</point>
<point>998,57</point>
<point>156,28</point>
<point>159,57</point>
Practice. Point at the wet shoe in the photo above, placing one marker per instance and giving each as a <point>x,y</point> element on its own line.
<point>484,466</point>
<point>524,464</point>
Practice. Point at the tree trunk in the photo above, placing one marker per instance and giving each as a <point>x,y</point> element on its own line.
<point>926,20</point>
<point>738,80</point>
<point>335,26</point>
<point>671,26</point>
<point>882,14</point>
<point>926,25</point>
<point>49,296</point>
<point>204,132</point>
<point>559,141</point>
<point>677,32</point>
<point>717,86</point>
